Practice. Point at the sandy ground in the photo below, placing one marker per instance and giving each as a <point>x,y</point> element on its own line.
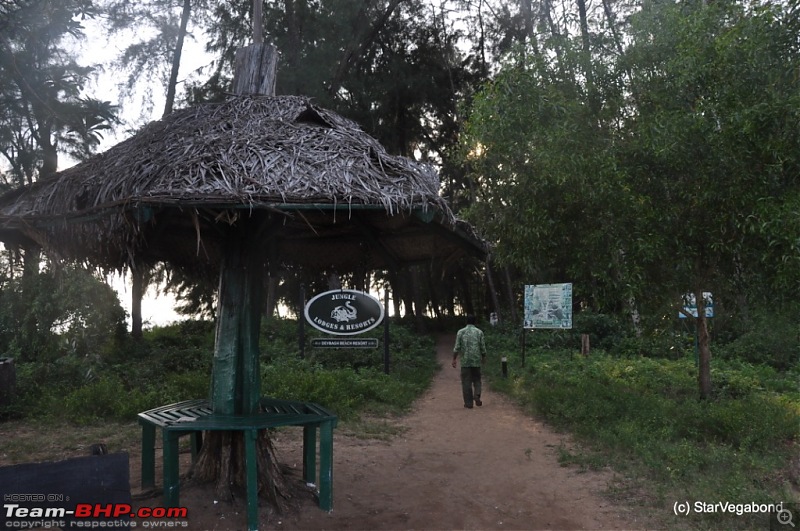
<point>490,467</point>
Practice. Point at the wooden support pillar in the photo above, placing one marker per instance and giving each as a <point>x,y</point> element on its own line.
<point>256,67</point>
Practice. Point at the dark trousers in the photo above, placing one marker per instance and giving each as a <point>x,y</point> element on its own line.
<point>471,384</point>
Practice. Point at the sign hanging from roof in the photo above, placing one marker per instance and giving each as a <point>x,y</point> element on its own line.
<point>344,312</point>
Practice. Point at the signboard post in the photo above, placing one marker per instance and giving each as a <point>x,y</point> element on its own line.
<point>547,306</point>
<point>386,358</point>
<point>690,307</point>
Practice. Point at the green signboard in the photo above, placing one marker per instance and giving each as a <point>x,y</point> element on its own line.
<point>548,306</point>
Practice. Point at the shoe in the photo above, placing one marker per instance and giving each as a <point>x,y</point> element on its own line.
<point>478,403</point>
<point>468,407</point>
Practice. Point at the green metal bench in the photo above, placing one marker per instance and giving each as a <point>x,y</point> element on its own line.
<point>192,417</point>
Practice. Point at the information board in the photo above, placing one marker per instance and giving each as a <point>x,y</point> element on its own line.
<point>548,306</point>
<point>690,305</point>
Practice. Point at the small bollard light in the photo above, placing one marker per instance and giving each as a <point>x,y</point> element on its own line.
<point>504,362</point>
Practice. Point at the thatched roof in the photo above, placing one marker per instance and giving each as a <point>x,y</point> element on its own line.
<point>320,190</point>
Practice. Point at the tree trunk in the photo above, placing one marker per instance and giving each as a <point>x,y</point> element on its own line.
<point>222,462</point>
<point>31,262</point>
<point>419,307</point>
<point>588,67</point>
<point>139,274</point>
<point>256,66</point>
<point>433,292</point>
<point>394,282</point>
<point>406,293</point>
<point>636,319</point>
<point>236,374</point>
<point>176,57</point>
<point>704,351</point>
<point>273,281</point>
<point>492,289</point>
<point>138,287</point>
<point>512,303</point>
<point>466,294</point>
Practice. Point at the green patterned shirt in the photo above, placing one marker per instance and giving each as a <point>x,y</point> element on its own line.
<point>471,345</point>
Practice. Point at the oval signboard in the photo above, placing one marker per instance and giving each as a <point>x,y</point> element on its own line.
<point>344,312</point>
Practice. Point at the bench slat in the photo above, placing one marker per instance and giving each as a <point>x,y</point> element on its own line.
<point>196,415</point>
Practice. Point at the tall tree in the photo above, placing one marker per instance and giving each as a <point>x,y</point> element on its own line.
<point>676,182</point>
<point>716,138</point>
<point>157,57</point>
<point>392,66</point>
<point>156,31</point>
<point>44,112</point>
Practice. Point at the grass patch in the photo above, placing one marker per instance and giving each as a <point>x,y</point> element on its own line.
<point>642,417</point>
<point>373,428</point>
<point>27,441</point>
<point>174,363</point>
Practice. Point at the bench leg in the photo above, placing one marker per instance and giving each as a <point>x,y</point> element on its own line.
<point>310,453</point>
<point>148,456</point>
<point>171,469</point>
<point>251,468</point>
<point>326,466</point>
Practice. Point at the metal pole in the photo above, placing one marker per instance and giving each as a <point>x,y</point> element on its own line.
<point>523,346</point>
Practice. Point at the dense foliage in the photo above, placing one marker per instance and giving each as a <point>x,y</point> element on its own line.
<point>43,110</point>
<point>678,178</point>
<point>667,171</point>
<point>173,363</point>
<point>59,314</point>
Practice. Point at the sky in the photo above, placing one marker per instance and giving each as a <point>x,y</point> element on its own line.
<point>157,309</point>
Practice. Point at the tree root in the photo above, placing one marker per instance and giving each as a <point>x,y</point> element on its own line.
<point>222,461</point>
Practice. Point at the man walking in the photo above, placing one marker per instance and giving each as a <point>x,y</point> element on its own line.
<point>472,347</point>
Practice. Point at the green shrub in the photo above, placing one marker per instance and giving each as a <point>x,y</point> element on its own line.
<point>604,330</point>
<point>643,415</point>
<point>105,398</point>
<point>773,342</point>
<point>351,380</point>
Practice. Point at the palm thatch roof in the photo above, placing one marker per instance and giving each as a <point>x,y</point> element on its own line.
<point>316,190</point>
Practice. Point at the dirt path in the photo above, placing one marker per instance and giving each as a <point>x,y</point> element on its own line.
<point>453,468</point>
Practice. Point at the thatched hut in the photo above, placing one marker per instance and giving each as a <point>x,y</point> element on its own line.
<point>316,189</point>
